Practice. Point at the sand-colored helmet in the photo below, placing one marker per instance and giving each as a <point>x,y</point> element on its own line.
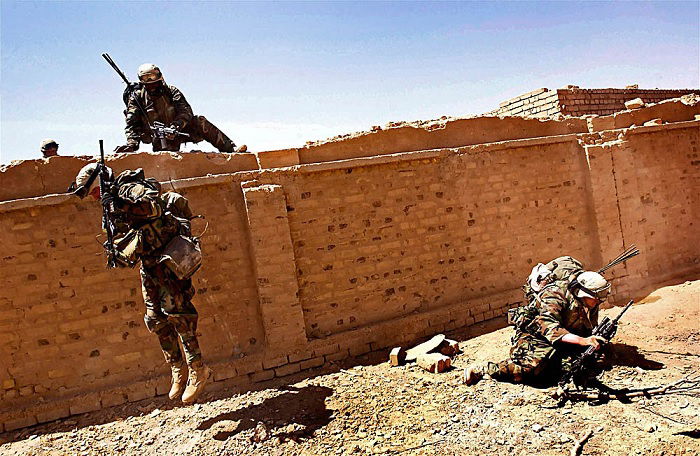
<point>592,285</point>
<point>48,144</point>
<point>149,73</point>
<point>87,178</point>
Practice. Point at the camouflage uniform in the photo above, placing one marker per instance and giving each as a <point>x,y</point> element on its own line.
<point>169,106</point>
<point>532,351</point>
<point>170,313</point>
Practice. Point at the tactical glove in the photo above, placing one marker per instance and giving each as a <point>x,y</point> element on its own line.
<point>172,132</point>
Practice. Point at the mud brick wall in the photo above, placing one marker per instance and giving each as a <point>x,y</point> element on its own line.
<point>538,103</point>
<point>377,243</point>
<point>656,179</point>
<point>319,262</point>
<point>579,102</point>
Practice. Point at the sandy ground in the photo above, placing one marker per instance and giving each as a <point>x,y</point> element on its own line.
<point>371,408</point>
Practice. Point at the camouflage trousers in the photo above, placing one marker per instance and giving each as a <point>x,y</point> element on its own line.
<point>531,355</point>
<point>170,314</point>
<point>199,128</point>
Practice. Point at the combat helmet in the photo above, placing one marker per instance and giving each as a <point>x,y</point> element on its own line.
<point>48,144</point>
<point>87,178</point>
<point>149,73</point>
<point>593,285</point>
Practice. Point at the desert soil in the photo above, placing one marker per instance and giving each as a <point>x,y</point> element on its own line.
<point>371,408</point>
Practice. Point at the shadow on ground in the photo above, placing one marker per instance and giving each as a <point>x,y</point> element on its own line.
<point>232,387</point>
<point>304,407</point>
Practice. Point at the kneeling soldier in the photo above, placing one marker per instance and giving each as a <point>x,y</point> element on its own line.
<point>146,225</point>
<point>552,329</point>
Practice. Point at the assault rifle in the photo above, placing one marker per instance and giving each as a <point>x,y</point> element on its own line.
<point>162,133</point>
<point>105,199</point>
<point>606,329</point>
<point>158,129</point>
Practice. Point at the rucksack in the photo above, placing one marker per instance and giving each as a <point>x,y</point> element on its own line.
<point>133,176</point>
<point>561,271</point>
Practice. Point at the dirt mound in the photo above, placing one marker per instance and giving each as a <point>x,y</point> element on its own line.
<point>376,409</point>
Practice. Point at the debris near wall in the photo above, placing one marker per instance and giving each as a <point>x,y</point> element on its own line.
<point>434,355</point>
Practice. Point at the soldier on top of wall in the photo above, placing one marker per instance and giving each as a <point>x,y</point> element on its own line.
<point>151,228</point>
<point>554,327</point>
<point>165,104</point>
<point>49,148</point>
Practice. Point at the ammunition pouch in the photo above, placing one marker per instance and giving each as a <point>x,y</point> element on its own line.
<point>183,256</point>
<point>127,248</point>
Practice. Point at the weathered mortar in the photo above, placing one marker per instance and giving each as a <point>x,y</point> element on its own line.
<point>319,262</point>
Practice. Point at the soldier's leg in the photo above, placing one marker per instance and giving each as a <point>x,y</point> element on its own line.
<point>182,314</point>
<point>529,356</point>
<point>200,127</point>
<point>154,294</point>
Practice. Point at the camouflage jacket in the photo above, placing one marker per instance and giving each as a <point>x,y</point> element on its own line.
<point>561,313</point>
<point>145,227</point>
<point>169,107</point>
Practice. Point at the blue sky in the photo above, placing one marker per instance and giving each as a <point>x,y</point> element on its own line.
<point>275,75</point>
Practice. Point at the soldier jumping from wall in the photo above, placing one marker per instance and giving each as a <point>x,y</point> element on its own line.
<point>158,114</point>
<point>555,327</point>
<point>144,225</point>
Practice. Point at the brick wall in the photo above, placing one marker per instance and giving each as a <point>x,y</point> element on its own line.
<point>320,262</point>
<point>377,243</point>
<point>538,103</point>
<point>578,102</point>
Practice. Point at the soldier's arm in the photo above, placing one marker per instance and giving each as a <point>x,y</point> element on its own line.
<point>550,319</point>
<point>134,122</point>
<point>550,322</point>
<point>183,110</point>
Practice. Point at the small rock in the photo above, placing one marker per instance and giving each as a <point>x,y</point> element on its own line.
<point>634,104</point>
<point>261,433</point>
<point>651,427</point>
<point>537,427</point>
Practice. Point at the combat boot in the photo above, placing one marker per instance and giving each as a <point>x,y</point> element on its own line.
<point>179,380</point>
<point>472,375</point>
<point>199,376</point>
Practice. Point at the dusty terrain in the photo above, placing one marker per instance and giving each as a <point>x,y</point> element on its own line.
<point>371,408</point>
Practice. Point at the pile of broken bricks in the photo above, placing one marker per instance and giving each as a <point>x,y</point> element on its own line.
<point>434,355</point>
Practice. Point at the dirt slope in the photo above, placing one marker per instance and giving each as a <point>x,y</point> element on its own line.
<point>375,409</point>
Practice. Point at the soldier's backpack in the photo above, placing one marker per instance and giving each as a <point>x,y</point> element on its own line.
<point>560,271</point>
<point>182,254</point>
<point>133,176</point>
